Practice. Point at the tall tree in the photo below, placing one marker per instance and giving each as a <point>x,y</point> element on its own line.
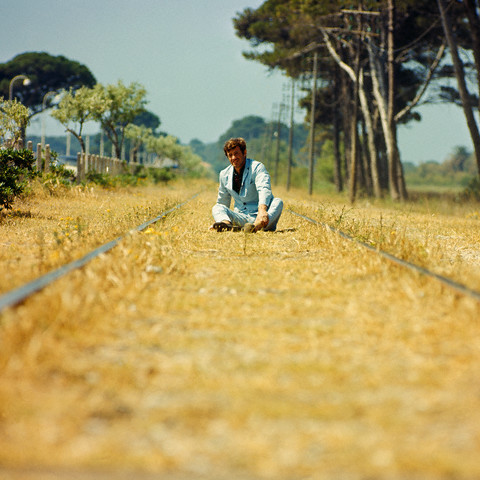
<point>147,119</point>
<point>120,105</point>
<point>138,135</point>
<point>294,29</point>
<point>14,117</point>
<point>75,109</point>
<point>249,127</point>
<point>472,13</point>
<point>460,76</point>
<point>46,73</point>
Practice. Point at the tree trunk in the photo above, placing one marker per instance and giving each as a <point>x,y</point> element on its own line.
<point>372,149</point>
<point>366,167</point>
<point>379,93</point>
<point>359,87</point>
<point>401,179</point>
<point>337,170</point>
<point>346,113</point>
<point>460,75</point>
<point>78,137</point>
<point>354,129</point>
<point>392,149</point>
<point>474,24</point>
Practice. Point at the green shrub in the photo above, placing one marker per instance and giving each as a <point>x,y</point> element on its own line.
<point>472,192</point>
<point>16,167</point>
<point>58,172</point>
<point>141,174</point>
<point>161,174</point>
<point>101,179</point>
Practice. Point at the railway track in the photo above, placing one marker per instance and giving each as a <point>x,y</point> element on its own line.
<point>18,295</point>
<point>184,353</point>
<point>460,288</point>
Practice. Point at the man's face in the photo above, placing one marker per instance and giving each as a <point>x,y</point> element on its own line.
<point>237,158</point>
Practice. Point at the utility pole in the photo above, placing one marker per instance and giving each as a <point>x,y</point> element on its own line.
<point>270,146</point>
<point>277,156</point>
<point>290,135</point>
<point>354,127</point>
<point>312,123</point>
<point>264,143</point>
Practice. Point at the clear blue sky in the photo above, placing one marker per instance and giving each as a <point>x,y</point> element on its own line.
<point>188,58</point>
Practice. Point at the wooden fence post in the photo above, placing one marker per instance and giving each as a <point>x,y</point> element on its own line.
<point>84,165</point>
<point>47,158</point>
<point>79,166</point>
<point>39,157</point>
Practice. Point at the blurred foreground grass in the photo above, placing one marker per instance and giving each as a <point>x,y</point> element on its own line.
<point>296,354</point>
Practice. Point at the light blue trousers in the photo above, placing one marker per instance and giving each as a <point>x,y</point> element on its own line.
<point>222,213</point>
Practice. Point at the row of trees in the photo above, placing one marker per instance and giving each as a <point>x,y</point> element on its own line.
<point>456,173</point>
<point>44,75</point>
<point>119,109</point>
<point>374,60</point>
<point>457,170</point>
<point>267,142</point>
<point>114,107</point>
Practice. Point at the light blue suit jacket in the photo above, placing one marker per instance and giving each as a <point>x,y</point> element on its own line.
<point>255,189</point>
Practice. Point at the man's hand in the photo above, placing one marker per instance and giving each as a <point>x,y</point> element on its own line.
<point>262,218</point>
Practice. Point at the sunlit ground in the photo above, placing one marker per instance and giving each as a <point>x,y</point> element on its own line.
<point>192,354</point>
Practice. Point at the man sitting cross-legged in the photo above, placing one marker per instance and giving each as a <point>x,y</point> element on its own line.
<point>248,183</point>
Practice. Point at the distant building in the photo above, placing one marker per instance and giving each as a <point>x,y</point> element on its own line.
<point>165,163</point>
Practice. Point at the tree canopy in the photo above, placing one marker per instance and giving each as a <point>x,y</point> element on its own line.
<point>119,106</point>
<point>46,73</point>
<point>147,119</point>
<point>377,55</point>
<point>75,109</point>
<point>14,117</point>
<point>114,106</point>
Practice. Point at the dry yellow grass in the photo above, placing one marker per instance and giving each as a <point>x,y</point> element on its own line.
<point>185,353</point>
<point>44,232</point>
<point>437,234</point>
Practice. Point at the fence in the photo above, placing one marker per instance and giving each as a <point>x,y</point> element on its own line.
<point>87,162</point>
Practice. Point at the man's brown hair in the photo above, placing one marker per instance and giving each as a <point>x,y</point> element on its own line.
<point>233,143</point>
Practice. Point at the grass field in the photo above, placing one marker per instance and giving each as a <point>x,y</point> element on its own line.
<point>185,353</point>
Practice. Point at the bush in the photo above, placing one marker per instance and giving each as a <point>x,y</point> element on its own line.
<point>62,173</point>
<point>101,179</point>
<point>161,174</point>
<point>472,192</point>
<point>16,167</point>
<point>58,174</point>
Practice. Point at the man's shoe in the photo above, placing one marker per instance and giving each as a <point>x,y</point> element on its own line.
<point>222,226</point>
<point>249,228</point>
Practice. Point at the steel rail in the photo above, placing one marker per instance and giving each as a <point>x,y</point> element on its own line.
<point>18,295</point>
<point>404,263</point>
